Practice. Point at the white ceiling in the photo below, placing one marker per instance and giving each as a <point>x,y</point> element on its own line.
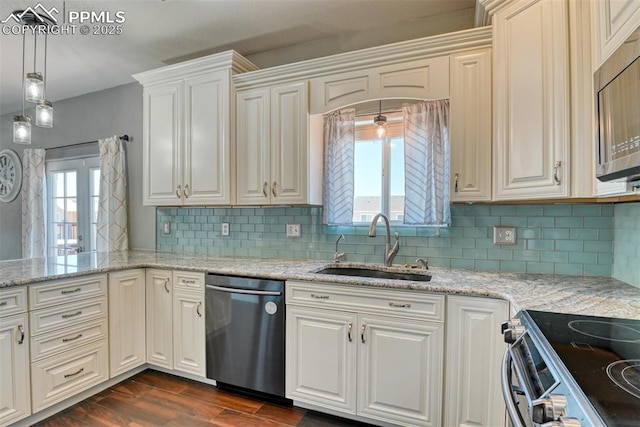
<point>156,33</point>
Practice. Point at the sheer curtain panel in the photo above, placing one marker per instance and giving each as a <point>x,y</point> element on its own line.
<point>427,167</point>
<point>112,234</point>
<point>34,196</point>
<point>339,144</point>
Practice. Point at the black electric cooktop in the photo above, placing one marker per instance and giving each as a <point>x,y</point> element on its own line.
<point>603,356</point>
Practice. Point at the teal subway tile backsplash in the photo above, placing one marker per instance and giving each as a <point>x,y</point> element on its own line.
<point>560,239</point>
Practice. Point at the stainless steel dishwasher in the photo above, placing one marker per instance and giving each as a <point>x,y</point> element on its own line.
<point>245,334</point>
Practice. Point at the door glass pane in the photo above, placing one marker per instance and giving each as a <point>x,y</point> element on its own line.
<point>396,179</point>
<point>367,194</point>
<point>71,184</point>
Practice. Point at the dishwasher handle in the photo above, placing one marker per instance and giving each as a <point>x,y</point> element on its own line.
<point>243,291</point>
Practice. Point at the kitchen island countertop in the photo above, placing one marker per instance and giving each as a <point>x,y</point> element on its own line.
<point>589,295</point>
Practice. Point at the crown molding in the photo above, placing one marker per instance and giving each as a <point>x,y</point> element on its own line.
<point>485,10</point>
<point>228,60</point>
<point>411,50</point>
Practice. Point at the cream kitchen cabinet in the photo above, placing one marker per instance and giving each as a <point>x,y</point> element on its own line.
<point>366,353</point>
<point>15,392</point>
<point>613,21</point>
<point>176,321</point>
<point>188,131</point>
<point>474,350</point>
<point>531,100</point>
<point>126,321</point>
<point>277,164</point>
<point>470,125</point>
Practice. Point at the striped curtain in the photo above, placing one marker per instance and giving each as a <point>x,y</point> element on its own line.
<point>426,163</point>
<point>34,197</point>
<point>112,232</point>
<point>339,145</point>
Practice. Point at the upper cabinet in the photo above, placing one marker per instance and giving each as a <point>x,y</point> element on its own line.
<point>470,125</point>
<point>614,21</point>
<point>188,131</point>
<point>531,100</point>
<point>278,161</point>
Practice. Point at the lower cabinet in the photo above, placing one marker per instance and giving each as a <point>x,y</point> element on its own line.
<point>126,320</point>
<point>15,397</point>
<point>474,356</point>
<point>343,356</point>
<point>175,320</point>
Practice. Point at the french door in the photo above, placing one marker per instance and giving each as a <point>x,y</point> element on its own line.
<point>72,205</point>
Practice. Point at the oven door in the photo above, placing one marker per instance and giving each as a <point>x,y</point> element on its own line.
<point>514,397</point>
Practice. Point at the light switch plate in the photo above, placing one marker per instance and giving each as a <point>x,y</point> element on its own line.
<point>503,235</point>
<point>166,227</point>
<point>293,230</point>
<point>225,229</point>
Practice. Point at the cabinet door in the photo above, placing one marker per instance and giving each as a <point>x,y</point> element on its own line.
<point>400,370</point>
<point>15,395</point>
<point>161,120</point>
<point>321,358</point>
<point>189,332</point>
<point>159,310</point>
<point>253,147</point>
<point>615,20</point>
<point>470,126</point>
<point>206,172</point>
<point>289,141</point>
<point>126,321</point>
<point>474,356</point>
<point>531,103</point>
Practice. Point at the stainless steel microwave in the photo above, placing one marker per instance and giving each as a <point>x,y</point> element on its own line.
<point>617,99</point>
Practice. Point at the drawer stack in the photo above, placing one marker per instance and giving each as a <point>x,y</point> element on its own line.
<point>69,330</point>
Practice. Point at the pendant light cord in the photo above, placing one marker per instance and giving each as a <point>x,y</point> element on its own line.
<point>35,50</point>
<point>44,89</point>
<point>23,76</point>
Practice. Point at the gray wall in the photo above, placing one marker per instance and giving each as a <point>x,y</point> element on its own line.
<point>97,115</point>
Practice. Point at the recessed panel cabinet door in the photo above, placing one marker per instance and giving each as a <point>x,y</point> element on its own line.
<point>400,370</point>
<point>321,358</point>
<point>531,100</point>
<point>161,144</point>
<point>189,332</point>
<point>15,395</point>
<point>126,321</point>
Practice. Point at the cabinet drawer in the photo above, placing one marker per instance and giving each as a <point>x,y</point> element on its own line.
<point>188,280</point>
<point>363,299</point>
<point>13,301</point>
<point>45,345</point>
<point>58,377</point>
<point>67,290</point>
<point>53,318</point>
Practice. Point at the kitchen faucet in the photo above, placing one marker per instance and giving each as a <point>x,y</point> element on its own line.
<point>338,255</point>
<point>389,252</point>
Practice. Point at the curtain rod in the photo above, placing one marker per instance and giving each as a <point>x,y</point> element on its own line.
<point>123,138</point>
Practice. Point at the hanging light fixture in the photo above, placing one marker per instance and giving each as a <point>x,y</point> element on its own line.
<point>381,122</point>
<point>22,123</point>
<point>34,81</point>
<point>44,109</point>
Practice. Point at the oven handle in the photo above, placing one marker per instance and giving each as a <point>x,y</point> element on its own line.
<point>507,391</point>
<point>243,291</point>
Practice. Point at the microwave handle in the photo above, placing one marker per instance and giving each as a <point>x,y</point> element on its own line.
<point>507,391</point>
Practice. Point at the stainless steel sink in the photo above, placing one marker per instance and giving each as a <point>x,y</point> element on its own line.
<point>378,274</point>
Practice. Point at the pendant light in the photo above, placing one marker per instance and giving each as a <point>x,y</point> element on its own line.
<point>34,81</point>
<point>44,109</point>
<point>381,122</point>
<point>22,123</point>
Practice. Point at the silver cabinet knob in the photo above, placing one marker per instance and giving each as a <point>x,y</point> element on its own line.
<point>563,422</point>
<point>548,409</point>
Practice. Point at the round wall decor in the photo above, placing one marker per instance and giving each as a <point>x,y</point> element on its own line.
<point>10,175</point>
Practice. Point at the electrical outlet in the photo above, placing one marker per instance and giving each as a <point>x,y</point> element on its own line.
<point>225,229</point>
<point>293,230</point>
<point>166,227</point>
<point>504,235</point>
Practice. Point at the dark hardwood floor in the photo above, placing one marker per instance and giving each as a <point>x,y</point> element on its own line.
<point>152,398</point>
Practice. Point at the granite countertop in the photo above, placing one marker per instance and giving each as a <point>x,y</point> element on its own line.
<point>597,296</point>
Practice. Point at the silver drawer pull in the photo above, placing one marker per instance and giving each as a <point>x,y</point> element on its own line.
<point>398,305</point>
<point>67,316</point>
<point>3,303</point>
<point>350,326</point>
<point>166,282</point>
<point>74,374</point>
<point>21,330</point>
<point>364,328</point>
<point>264,189</point>
<point>72,291</point>
<point>198,309</point>
<point>319,296</point>
<point>72,339</point>
<point>190,282</point>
